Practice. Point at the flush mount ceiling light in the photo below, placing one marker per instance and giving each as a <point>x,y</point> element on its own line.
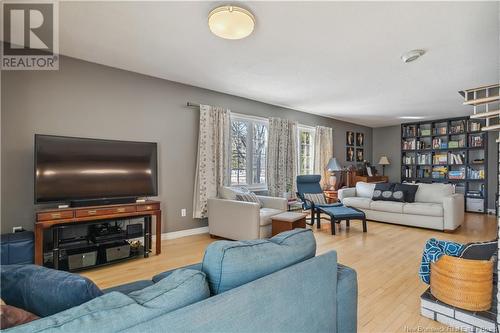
<point>411,117</point>
<point>231,22</point>
<point>412,55</point>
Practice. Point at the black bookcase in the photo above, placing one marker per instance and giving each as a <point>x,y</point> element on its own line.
<point>452,150</point>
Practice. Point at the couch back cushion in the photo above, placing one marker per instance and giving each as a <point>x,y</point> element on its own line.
<point>364,190</point>
<point>230,193</point>
<point>229,264</point>
<point>44,291</point>
<point>115,311</point>
<point>179,289</point>
<point>434,193</point>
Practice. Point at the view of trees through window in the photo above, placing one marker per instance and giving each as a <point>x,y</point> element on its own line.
<point>249,148</point>
<point>248,151</point>
<point>306,151</point>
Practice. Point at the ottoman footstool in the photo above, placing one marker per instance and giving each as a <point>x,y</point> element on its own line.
<point>287,221</point>
<point>339,213</point>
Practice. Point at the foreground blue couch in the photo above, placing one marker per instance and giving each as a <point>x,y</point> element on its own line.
<point>313,295</point>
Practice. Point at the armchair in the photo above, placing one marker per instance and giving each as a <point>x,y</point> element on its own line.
<point>241,220</point>
<point>310,184</point>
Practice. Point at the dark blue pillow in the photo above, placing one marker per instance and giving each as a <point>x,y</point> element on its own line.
<point>44,291</point>
<point>380,188</point>
<point>409,191</point>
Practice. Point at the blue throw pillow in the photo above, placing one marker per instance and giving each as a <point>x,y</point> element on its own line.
<point>44,291</point>
<point>229,264</point>
<point>179,289</point>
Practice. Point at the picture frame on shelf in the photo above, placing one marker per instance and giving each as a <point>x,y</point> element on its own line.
<point>360,154</point>
<point>349,154</point>
<point>360,139</point>
<point>350,138</point>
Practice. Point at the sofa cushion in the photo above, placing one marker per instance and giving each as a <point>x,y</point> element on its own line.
<point>423,208</point>
<point>266,214</point>
<point>433,192</point>
<point>179,289</point>
<point>380,188</point>
<point>357,202</point>
<point>11,316</point>
<point>229,193</point>
<point>387,206</point>
<point>364,190</point>
<point>230,264</point>
<point>248,197</point>
<point>409,190</point>
<point>316,198</point>
<point>44,291</point>
<point>127,288</point>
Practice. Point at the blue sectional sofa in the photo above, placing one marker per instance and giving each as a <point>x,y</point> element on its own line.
<point>275,285</point>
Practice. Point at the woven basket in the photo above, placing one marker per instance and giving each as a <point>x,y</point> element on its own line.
<point>464,283</point>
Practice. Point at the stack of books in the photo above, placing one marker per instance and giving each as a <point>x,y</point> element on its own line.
<point>441,159</point>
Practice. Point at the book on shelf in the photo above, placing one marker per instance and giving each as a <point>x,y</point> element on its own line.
<point>474,126</point>
<point>475,174</point>
<point>456,158</point>
<point>409,130</point>
<point>439,172</point>
<point>476,140</point>
<point>457,174</point>
<point>457,127</point>
<point>409,144</point>
<point>440,159</point>
<point>440,130</point>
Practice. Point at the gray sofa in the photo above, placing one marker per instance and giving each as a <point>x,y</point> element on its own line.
<point>436,206</point>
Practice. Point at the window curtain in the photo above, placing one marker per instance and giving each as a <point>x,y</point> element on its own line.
<point>212,163</point>
<point>281,157</point>
<point>323,151</point>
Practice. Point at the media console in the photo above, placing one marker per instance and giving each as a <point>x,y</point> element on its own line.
<point>55,219</point>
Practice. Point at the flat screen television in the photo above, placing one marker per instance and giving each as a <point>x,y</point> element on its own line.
<point>71,170</point>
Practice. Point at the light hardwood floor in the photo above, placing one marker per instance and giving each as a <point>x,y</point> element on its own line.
<point>386,260</point>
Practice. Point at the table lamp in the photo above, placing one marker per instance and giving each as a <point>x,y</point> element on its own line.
<point>332,167</point>
<point>383,162</point>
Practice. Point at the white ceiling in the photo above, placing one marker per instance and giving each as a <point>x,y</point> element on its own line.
<point>336,59</point>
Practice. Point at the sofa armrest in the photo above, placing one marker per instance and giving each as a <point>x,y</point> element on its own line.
<point>347,299</point>
<point>233,219</point>
<point>453,207</point>
<point>274,202</point>
<point>346,193</point>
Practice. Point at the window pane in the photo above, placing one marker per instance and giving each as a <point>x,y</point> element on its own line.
<point>239,132</point>
<point>306,158</point>
<point>259,153</point>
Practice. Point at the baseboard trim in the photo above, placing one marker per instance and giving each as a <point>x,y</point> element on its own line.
<point>183,233</point>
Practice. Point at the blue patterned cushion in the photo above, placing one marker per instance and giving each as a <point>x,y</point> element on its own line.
<point>44,291</point>
<point>229,264</point>
<point>433,250</point>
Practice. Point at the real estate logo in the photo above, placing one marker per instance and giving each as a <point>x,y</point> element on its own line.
<point>30,35</point>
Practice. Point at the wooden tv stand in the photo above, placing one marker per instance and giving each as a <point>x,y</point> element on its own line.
<point>48,218</point>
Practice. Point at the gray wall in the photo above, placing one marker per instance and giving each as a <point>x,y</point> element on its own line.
<point>386,141</point>
<point>89,100</point>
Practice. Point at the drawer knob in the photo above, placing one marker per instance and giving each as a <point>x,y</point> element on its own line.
<point>56,215</point>
<point>120,210</point>
<point>92,212</point>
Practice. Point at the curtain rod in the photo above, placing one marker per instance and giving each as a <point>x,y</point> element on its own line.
<point>193,105</point>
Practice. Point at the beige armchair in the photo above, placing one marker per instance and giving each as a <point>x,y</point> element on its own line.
<point>241,220</point>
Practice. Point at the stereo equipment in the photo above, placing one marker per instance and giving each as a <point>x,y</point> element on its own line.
<point>100,233</point>
<point>134,230</point>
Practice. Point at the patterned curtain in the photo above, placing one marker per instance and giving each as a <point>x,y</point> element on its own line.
<point>281,157</point>
<point>212,162</point>
<point>323,151</point>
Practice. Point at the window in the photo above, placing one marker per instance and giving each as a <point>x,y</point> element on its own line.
<point>248,151</point>
<point>306,150</point>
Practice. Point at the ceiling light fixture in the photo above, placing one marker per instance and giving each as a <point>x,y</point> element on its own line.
<point>231,22</point>
<point>411,117</point>
<point>412,55</point>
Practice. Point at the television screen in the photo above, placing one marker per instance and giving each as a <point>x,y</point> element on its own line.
<point>70,169</point>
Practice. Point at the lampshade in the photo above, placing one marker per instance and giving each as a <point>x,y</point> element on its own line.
<point>333,165</point>
<point>384,160</point>
<point>231,22</point>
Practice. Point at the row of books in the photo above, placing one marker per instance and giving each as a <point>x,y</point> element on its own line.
<point>439,172</point>
<point>439,131</point>
<point>408,173</point>
<point>476,140</point>
<point>457,174</point>
<point>408,159</point>
<point>440,159</point>
<point>475,174</point>
<point>457,127</point>
<point>409,145</point>
<point>456,158</point>
<point>424,158</point>
<point>438,143</point>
